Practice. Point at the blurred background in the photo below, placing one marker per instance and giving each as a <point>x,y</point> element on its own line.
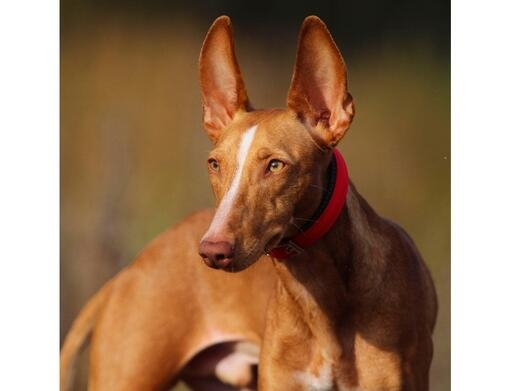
<point>133,152</point>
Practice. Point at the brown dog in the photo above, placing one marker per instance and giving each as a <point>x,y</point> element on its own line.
<point>355,306</point>
<point>169,317</point>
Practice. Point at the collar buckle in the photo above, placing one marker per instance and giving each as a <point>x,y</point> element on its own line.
<point>292,248</point>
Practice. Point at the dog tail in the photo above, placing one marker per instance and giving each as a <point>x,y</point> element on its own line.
<point>78,334</point>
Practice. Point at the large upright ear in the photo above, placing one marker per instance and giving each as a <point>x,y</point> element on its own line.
<point>221,83</point>
<point>318,91</point>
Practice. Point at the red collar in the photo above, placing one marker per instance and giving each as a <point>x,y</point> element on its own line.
<point>323,224</point>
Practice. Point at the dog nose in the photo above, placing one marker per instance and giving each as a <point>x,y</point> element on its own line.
<point>217,255</point>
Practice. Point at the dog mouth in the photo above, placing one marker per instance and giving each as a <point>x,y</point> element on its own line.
<point>242,262</point>
<point>242,256</point>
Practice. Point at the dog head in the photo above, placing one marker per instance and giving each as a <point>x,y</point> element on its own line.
<point>267,168</point>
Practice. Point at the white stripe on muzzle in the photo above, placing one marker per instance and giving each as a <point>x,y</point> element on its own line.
<point>228,201</point>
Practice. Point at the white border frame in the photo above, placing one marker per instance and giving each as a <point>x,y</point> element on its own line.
<point>480,195</point>
<point>29,195</point>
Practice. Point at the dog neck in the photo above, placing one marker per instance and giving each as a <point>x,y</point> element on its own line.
<point>334,186</point>
<point>330,278</point>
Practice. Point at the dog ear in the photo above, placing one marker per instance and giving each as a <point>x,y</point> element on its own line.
<point>221,83</point>
<point>318,91</point>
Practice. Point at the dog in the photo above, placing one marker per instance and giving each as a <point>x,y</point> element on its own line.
<point>168,317</point>
<point>341,301</point>
<point>354,305</point>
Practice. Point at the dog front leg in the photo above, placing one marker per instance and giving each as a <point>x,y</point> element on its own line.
<point>287,348</point>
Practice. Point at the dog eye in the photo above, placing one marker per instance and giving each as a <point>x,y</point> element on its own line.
<point>213,165</point>
<point>275,165</point>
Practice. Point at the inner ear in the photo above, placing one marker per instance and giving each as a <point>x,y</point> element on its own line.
<point>221,84</point>
<point>318,91</point>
